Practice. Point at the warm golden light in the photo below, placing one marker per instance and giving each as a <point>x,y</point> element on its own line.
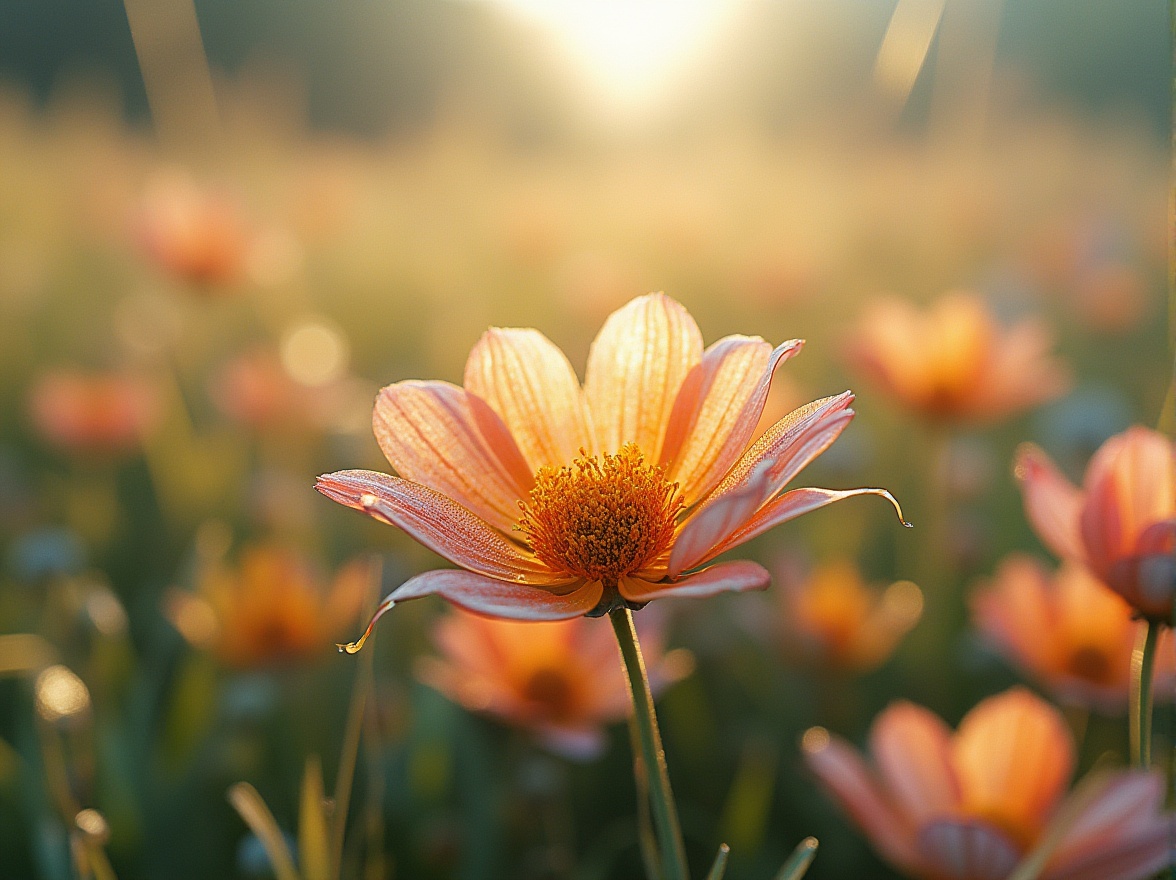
<point>631,49</point>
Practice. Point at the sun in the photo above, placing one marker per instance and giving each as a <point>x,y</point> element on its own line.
<point>631,51</point>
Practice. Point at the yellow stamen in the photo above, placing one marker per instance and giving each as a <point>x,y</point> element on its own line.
<point>602,517</point>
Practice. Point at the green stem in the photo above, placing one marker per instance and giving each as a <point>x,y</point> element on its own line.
<point>1143,661</point>
<point>665,814</point>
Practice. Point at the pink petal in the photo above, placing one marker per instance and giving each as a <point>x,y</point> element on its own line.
<point>431,435</point>
<point>967,850</point>
<point>724,578</point>
<point>527,380</point>
<point>575,744</point>
<point>439,523</point>
<point>1052,503</point>
<point>791,505</point>
<point>716,412</point>
<point>1130,484</point>
<point>1136,854</point>
<point>635,367</point>
<point>912,748</point>
<point>758,476</point>
<point>495,598</point>
<point>1121,811</point>
<point>844,774</point>
<point>1020,373</point>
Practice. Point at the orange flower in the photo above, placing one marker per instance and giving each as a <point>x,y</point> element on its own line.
<point>562,680</point>
<point>1068,631</point>
<point>1121,524</point>
<point>840,621</point>
<point>954,362</point>
<point>559,501</point>
<point>975,804</point>
<point>95,412</point>
<point>201,237</point>
<point>271,610</point>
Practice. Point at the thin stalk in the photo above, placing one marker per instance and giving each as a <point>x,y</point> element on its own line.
<point>1143,661</point>
<point>665,814</point>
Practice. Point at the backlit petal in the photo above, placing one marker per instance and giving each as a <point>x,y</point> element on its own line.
<point>495,598</point>
<point>1130,484</point>
<point>792,504</point>
<point>846,777</point>
<point>1052,503</point>
<point>717,410</point>
<point>967,850</point>
<point>439,523</point>
<point>912,748</point>
<point>430,434</point>
<point>758,476</point>
<point>725,578</point>
<point>527,380</point>
<point>635,368</point>
<point>1013,755</point>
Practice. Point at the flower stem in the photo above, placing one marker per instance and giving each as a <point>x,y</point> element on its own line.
<point>1143,661</point>
<point>665,814</point>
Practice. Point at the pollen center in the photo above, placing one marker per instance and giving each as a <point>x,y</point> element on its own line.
<point>602,517</point>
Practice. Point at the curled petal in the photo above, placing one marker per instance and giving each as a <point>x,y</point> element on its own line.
<point>483,595</point>
<point>717,410</point>
<point>431,434</point>
<point>793,504</point>
<point>967,850</point>
<point>1052,503</point>
<point>758,476</point>
<point>724,578</point>
<point>635,367</point>
<point>790,444</point>
<point>439,523</point>
<point>527,380</point>
<point>495,598</point>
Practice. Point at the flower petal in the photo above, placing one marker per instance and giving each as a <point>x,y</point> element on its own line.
<point>912,748</point>
<point>636,365</point>
<point>527,380</point>
<point>844,774</point>
<point>1052,503</point>
<point>717,410</point>
<point>727,577</point>
<point>963,849</point>
<point>791,505</point>
<point>1130,484</point>
<point>495,598</point>
<point>759,474</point>
<point>1013,755</point>
<point>442,525</point>
<point>430,433</point>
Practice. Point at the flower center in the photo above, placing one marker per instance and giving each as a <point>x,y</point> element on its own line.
<point>552,692</point>
<point>602,517</point>
<point>1091,663</point>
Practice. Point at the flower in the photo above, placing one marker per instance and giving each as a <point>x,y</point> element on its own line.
<point>101,412</point>
<point>1066,631</point>
<point>561,679</point>
<point>977,802</point>
<point>559,501</point>
<point>953,362</point>
<point>840,621</point>
<point>1121,523</point>
<point>198,236</point>
<point>272,609</point>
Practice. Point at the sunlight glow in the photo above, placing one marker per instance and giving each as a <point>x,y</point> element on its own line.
<point>632,49</point>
